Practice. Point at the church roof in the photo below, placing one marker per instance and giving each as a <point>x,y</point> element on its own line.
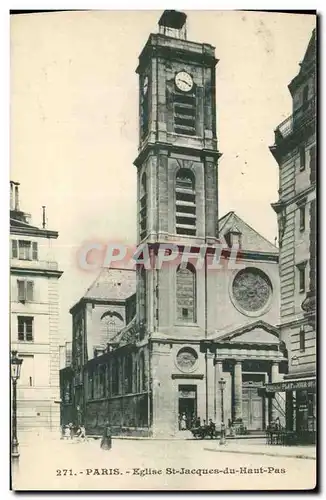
<point>251,240</point>
<point>112,284</point>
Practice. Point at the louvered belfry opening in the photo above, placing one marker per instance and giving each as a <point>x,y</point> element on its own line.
<point>143,207</point>
<point>185,203</point>
<point>184,111</point>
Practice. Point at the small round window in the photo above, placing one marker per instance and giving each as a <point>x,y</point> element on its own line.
<point>187,359</point>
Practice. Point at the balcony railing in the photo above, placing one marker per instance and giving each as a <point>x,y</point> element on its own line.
<point>299,118</point>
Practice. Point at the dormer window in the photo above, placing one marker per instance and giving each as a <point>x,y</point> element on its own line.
<point>233,238</point>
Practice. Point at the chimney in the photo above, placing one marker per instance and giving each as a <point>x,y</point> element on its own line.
<point>43,217</point>
<point>17,196</point>
<point>11,195</point>
<point>14,196</point>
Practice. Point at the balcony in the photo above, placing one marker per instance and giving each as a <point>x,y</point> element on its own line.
<point>300,118</point>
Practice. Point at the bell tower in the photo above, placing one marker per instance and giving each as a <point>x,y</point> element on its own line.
<point>176,164</point>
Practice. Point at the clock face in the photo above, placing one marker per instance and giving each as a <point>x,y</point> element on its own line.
<point>184,81</point>
<point>145,85</point>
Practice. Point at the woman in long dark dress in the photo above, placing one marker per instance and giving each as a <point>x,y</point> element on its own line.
<point>106,441</point>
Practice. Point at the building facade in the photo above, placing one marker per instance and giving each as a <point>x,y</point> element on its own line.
<point>107,306</point>
<point>295,152</point>
<point>193,324</point>
<point>34,301</point>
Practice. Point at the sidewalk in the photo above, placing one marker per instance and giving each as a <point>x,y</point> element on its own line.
<point>306,452</point>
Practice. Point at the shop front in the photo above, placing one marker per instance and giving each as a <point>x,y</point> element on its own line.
<point>300,406</point>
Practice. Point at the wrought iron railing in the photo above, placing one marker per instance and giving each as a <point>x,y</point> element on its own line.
<point>298,119</point>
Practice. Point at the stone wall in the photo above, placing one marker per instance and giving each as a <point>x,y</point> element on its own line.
<point>125,414</point>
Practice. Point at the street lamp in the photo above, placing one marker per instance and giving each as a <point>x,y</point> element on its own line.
<point>15,365</point>
<point>222,387</point>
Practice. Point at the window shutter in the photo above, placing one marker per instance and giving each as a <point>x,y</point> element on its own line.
<point>20,329</point>
<point>14,249</point>
<point>21,290</point>
<point>30,291</point>
<point>21,251</point>
<point>35,252</point>
<point>29,329</point>
<point>313,164</point>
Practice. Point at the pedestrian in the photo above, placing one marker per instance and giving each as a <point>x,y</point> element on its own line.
<point>66,432</point>
<point>81,433</point>
<point>183,422</point>
<point>212,428</point>
<point>106,441</point>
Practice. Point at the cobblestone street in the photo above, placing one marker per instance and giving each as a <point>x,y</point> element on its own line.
<point>69,465</point>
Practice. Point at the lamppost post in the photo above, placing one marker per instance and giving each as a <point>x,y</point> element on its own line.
<point>15,366</point>
<point>222,387</point>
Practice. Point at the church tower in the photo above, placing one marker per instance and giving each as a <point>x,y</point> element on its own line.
<point>177,205</point>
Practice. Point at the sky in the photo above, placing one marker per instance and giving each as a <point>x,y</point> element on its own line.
<point>74,120</point>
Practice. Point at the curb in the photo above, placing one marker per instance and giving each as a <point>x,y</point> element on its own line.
<point>140,438</point>
<point>268,454</point>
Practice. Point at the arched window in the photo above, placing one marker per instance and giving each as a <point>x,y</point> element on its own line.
<point>128,374</point>
<point>185,219</point>
<point>143,206</point>
<point>142,295</point>
<point>111,324</point>
<point>186,294</point>
<point>142,373</point>
<point>102,381</point>
<point>135,375</point>
<point>115,376</point>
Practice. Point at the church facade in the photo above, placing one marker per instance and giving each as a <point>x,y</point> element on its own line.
<point>193,325</point>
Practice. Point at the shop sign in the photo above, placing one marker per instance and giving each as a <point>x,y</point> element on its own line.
<point>291,385</point>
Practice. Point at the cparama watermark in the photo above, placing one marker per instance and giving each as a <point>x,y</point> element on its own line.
<point>93,256</point>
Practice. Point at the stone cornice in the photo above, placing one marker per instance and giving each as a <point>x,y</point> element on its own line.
<point>167,149</point>
<point>35,272</point>
<point>192,52</point>
<point>88,300</point>
<point>33,231</point>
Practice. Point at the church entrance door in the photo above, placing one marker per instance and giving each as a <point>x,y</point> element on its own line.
<point>252,408</point>
<point>187,405</point>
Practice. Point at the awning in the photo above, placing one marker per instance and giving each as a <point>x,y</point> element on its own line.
<point>291,385</point>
